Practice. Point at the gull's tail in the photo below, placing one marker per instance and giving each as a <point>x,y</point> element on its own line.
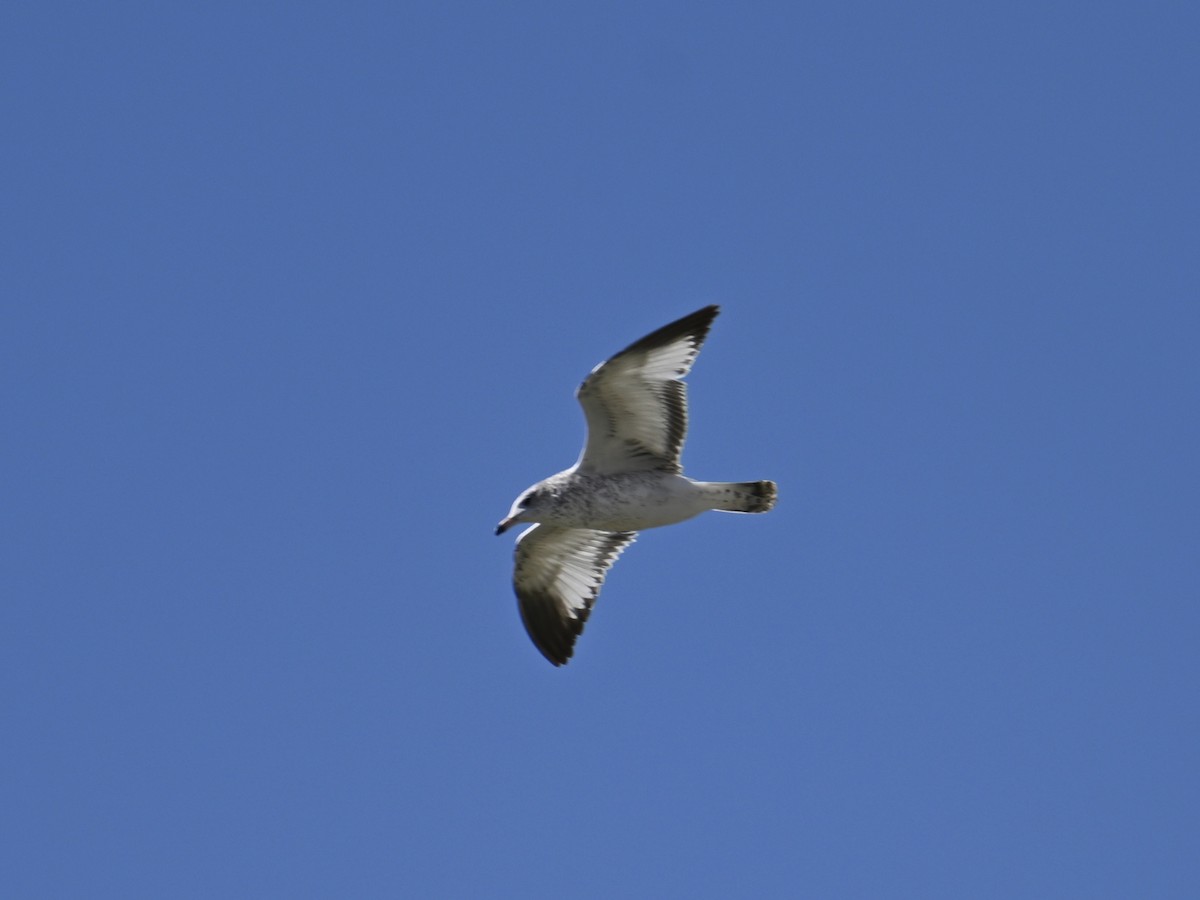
<point>742,496</point>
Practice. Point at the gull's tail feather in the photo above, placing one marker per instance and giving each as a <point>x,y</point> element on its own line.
<point>742,496</point>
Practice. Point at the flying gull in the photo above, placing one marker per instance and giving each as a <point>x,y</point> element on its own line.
<point>627,478</point>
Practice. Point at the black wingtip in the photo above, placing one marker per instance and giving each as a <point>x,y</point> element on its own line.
<point>695,324</point>
<point>553,635</point>
<point>701,317</point>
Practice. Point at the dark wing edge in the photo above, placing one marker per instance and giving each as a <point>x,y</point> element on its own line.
<point>544,613</point>
<point>671,395</point>
<point>694,325</point>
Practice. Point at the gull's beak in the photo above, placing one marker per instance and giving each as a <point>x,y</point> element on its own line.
<point>504,525</point>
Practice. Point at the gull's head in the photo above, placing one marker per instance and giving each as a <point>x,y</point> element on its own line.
<point>525,509</point>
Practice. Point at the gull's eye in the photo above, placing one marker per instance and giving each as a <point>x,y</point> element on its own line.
<point>525,501</point>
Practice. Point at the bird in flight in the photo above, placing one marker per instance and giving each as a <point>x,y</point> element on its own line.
<point>628,478</point>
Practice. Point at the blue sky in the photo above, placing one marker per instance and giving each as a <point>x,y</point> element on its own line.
<point>296,298</point>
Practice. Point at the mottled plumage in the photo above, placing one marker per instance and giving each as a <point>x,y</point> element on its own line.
<point>628,478</point>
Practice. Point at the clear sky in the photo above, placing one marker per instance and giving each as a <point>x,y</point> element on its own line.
<point>295,300</point>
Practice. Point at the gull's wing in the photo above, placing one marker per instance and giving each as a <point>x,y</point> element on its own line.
<point>636,403</point>
<point>559,572</point>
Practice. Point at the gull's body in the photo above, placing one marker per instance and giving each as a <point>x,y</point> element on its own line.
<point>626,501</point>
<point>628,478</point>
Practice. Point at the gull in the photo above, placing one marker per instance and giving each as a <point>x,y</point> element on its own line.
<point>628,478</point>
